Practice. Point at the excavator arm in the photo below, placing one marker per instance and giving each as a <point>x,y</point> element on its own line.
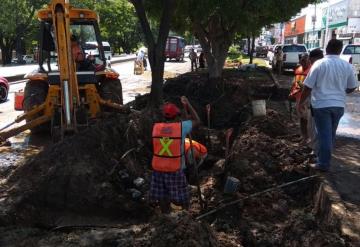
<point>68,80</point>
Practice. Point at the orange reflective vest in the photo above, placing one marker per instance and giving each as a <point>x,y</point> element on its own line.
<point>167,147</point>
<point>200,151</point>
<point>298,83</point>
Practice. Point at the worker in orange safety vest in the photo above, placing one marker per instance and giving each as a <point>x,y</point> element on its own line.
<point>200,151</point>
<point>168,182</point>
<point>296,89</point>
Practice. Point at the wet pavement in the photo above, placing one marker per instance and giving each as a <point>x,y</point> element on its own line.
<point>350,123</point>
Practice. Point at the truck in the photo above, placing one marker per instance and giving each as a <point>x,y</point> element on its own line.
<point>63,94</point>
<point>175,48</point>
<point>91,48</point>
<point>351,54</point>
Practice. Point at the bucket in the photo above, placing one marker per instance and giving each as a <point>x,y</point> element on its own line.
<point>259,107</point>
<point>19,98</point>
<point>231,185</point>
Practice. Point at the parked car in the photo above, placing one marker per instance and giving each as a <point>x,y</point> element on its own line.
<point>25,59</point>
<point>91,47</point>
<point>28,59</point>
<point>292,54</point>
<point>261,51</point>
<point>351,54</point>
<point>4,89</point>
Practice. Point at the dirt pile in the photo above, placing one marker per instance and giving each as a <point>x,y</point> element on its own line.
<point>229,100</point>
<point>267,153</point>
<point>177,229</point>
<point>92,172</point>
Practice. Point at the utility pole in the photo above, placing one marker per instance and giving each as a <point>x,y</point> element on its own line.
<point>327,25</point>
<point>314,26</point>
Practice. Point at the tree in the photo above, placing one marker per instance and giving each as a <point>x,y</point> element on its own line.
<point>215,23</point>
<point>15,23</point>
<point>119,25</point>
<point>118,22</point>
<point>162,12</point>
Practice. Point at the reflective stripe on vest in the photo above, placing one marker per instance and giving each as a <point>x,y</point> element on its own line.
<point>167,147</point>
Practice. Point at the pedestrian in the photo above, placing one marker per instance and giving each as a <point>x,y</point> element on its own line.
<point>295,92</point>
<point>279,55</point>
<point>328,82</point>
<point>202,60</point>
<point>315,55</point>
<point>140,58</point>
<point>168,182</point>
<point>193,58</point>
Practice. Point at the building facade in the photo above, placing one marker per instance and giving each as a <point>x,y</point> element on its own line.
<point>341,21</point>
<point>294,32</point>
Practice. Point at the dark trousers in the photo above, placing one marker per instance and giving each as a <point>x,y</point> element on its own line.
<point>326,121</point>
<point>193,64</point>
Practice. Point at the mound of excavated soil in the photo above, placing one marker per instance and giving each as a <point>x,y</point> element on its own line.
<point>84,174</point>
<point>178,230</point>
<point>228,99</point>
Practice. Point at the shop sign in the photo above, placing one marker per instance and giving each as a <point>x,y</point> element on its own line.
<point>354,25</point>
<point>337,14</point>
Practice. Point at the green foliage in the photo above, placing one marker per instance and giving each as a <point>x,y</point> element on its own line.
<point>234,49</point>
<point>118,22</point>
<point>216,22</point>
<point>17,22</point>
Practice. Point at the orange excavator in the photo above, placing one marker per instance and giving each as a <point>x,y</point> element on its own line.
<point>63,94</point>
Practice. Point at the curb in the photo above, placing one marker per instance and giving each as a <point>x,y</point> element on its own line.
<point>331,209</point>
<point>13,79</point>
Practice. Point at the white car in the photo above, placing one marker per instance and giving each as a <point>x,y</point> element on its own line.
<point>351,54</point>
<point>28,59</point>
<point>292,54</point>
<point>25,59</point>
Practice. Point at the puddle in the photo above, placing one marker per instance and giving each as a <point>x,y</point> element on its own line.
<point>22,146</point>
<point>349,125</point>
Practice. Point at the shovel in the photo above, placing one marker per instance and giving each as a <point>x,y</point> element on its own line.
<point>208,111</point>
<point>228,134</point>
<point>202,204</point>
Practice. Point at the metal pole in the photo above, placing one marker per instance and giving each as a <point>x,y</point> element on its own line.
<point>327,25</point>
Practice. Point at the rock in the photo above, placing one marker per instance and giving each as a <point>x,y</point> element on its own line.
<point>138,182</point>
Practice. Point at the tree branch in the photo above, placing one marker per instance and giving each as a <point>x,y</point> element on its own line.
<point>168,10</point>
<point>140,10</point>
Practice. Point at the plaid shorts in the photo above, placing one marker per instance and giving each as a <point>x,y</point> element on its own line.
<point>170,186</point>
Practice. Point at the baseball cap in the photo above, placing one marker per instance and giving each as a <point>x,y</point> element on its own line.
<point>170,110</point>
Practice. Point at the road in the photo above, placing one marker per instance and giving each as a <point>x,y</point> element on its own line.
<point>133,85</point>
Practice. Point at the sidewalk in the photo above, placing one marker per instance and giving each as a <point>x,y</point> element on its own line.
<point>17,72</point>
<point>344,180</point>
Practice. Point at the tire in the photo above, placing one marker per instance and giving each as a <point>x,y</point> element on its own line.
<point>35,94</point>
<point>3,93</point>
<point>111,90</point>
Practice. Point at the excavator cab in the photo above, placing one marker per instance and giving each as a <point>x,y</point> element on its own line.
<point>73,83</point>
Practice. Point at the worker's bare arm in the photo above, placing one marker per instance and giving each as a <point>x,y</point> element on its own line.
<point>193,114</point>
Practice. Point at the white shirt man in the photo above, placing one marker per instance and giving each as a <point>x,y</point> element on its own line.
<point>328,82</point>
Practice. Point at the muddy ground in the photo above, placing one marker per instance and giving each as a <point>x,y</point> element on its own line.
<point>92,188</point>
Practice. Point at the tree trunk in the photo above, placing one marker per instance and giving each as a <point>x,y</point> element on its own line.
<point>216,61</point>
<point>6,54</point>
<point>156,48</point>
<point>248,45</point>
<point>215,44</point>
<point>252,49</point>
